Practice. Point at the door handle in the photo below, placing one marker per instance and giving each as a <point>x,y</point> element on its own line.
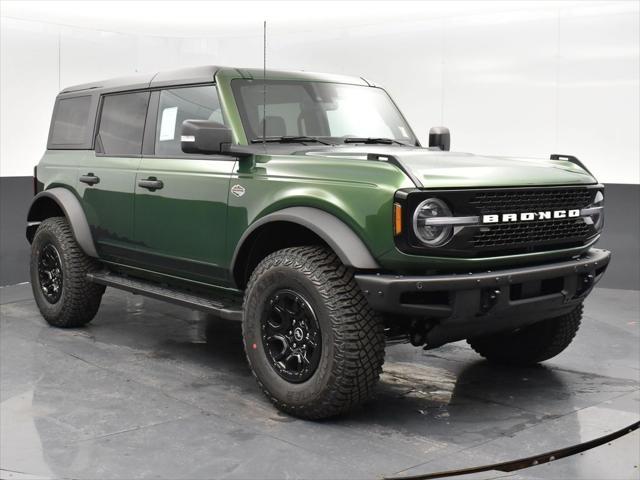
<point>152,184</point>
<point>89,179</point>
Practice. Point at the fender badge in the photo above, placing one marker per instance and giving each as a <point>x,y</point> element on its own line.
<point>238,190</point>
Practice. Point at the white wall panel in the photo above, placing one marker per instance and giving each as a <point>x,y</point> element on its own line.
<point>86,56</point>
<point>245,51</point>
<point>521,81</point>
<point>156,53</point>
<point>404,58</point>
<point>499,91</point>
<point>599,92</point>
<point>29,84</point>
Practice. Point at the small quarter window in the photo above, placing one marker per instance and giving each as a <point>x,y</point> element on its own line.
<point>122,123</point>
<point>71,121</point>
<point>178,105</point>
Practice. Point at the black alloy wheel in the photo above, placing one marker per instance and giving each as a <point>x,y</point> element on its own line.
<point>291,336</point>
<point>50,273</point>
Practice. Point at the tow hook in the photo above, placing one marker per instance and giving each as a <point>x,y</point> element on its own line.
<point>488,299</point>
<point>585,283</point>
<point>418,332</point>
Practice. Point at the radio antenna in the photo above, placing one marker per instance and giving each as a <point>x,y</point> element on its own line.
<point>264,85</point>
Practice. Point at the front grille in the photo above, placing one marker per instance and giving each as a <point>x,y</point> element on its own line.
<point>512,235</point>
<point>530,200</point>
<point>531,236</point>
<point>508,238</point>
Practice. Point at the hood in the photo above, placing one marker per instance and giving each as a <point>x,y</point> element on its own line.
<point>438,169</point>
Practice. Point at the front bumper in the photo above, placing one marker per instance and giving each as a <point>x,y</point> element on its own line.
<point>478,303</point>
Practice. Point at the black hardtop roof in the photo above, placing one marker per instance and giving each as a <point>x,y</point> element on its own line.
<point>196,75</point>
<point>182,76</point>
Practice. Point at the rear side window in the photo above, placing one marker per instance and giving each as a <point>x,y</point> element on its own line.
<point>178,105</point>
<point>71,121</point>
<point>122,124</point>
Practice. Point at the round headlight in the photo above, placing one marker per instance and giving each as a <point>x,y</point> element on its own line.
<point>598,211</point>
<point>429,231</point>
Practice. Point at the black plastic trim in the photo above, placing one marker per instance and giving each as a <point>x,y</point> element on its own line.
<point>150,124</point>
<point>384,292</point>
<point>222,306</point>
<point>339,236</point>
<point>72,209</point>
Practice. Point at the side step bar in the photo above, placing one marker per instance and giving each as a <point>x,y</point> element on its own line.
<point>223,306</point>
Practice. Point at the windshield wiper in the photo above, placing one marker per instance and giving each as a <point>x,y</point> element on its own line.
<point>289,139</point>
<point>370,140</point>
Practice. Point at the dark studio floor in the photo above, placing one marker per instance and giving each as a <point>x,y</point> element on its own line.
<point>151,390</point>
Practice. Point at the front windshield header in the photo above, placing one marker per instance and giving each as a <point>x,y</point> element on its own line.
<point>334,112</point>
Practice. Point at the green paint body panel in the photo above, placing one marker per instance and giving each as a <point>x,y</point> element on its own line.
<point>190,229</point>
<point>186,219</point>
<point>360,193</point>
<point>109,205</point>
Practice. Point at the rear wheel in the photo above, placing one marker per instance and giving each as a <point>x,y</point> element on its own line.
<point>315,346</point>
<point>533,344</point>
<point>58,276</point>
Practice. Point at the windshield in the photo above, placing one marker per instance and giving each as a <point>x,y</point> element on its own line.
<point>332,111</point>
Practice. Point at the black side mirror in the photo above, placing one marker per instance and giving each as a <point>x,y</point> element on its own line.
<point>439,137</point>
<point>202,136</point>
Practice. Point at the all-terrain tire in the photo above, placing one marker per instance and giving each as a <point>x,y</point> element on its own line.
<point>352,334</point>
<point>78,299</point>
<point>533,344</point>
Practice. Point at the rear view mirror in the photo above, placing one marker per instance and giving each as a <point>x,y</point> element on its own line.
<point>205,137</point>
<point>439,137</point>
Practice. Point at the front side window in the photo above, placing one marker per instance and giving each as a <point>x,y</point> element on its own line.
<point>332,111</point>
<point>178,105</point>
<point>122,123</point>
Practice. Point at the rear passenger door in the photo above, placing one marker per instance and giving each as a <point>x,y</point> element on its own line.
<point>107,176</point>
<point>181,199</point>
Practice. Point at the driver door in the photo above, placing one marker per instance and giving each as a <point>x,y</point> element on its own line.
<point>181,199</point>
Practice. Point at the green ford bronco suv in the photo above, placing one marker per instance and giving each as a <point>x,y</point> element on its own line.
<point>304,206</point>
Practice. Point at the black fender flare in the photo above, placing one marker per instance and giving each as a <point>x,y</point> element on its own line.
<point>338,235</point>
<point>72,209</point>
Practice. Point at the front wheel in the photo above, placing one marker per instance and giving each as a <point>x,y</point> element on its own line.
<point>313,343</point>
<point>533,344</point>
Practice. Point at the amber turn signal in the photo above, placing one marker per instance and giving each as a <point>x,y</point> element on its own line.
<point>397,219</point>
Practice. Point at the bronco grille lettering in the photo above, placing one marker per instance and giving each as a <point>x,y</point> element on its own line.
<point>530,216</point>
